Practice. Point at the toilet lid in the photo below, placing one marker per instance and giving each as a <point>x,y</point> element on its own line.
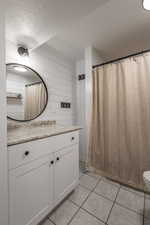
<point>146,175</point>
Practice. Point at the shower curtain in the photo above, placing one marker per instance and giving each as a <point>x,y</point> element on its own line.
<point>35,100</point>
<point>120,129</point>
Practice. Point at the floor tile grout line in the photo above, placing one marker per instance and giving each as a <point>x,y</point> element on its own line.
<point>90,191</point>
<point>90,176</point>
<point>105,196</point>
<point>146,217</point>
<point>132,210</point>
<point>126,188</point>
<point>125,207</point>
<point>131,188</point>
<point>113,205</point>
<point>93,191</point>
<point>80,207</point>
<point>91,214</point>
<point>144,209</point>
<point>133,192</point>
<point>66,199</point>
<point>117,186</point>
<point>106,180</point>
<point>84,187</point>
<point>73,216</point>
<point>51,221</point>
<point>74,204</point>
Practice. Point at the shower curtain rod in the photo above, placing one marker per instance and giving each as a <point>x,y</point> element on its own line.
<point>118,59</point>
<point>38,82</point>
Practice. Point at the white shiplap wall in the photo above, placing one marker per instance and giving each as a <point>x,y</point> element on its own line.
<point>3,126</point>
<point>59,76</point>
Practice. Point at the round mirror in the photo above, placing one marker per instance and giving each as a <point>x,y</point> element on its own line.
<point>27,94</point>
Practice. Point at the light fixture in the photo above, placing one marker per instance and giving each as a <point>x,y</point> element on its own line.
<point>146,4</point>
<point>23,51</point>
<point>20,68</point>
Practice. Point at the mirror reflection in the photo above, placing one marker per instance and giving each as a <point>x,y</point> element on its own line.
<point>26,93</point>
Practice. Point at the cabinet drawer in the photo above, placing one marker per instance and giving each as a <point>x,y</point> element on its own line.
<point>24,153</point>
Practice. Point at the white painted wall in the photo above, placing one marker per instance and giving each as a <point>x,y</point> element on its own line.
<point>3,128</point>
<point>58,74</point>
<point>84,97</point>
<point>80,109</point>
<point>97,57</point>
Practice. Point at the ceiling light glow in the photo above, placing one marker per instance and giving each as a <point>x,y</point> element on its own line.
<point>146,4</point>
<point>20,69</point>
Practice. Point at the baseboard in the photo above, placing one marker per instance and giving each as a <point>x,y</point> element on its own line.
<point>82,166</point>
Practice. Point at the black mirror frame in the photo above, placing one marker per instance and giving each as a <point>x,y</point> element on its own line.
<point>27,67</point>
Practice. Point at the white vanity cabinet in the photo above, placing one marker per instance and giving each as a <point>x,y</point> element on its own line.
<point>66,172</point>
<point>31,192</point>
<point>41,174</point>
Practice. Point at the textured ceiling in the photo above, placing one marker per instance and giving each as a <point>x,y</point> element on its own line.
<point>118,28</point>
<point>35,21</point>
<point>114,27</point>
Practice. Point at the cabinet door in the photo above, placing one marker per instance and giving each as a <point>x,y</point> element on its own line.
<point>66,172</point>
<point>31,192</point>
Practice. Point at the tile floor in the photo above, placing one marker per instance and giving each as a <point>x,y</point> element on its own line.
<point>99,201</point>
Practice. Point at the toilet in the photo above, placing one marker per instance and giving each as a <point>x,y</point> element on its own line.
<point>146,178</point>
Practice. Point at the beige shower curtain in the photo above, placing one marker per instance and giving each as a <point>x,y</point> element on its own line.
<point>35,100</point>
<point>120,132</point>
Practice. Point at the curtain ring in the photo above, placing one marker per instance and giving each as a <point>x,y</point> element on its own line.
<point>134,59</point>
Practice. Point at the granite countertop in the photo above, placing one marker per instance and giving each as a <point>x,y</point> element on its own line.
<point>21,133</point>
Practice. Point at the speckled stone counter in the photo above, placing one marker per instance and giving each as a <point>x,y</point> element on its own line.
<point>25,132</point>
